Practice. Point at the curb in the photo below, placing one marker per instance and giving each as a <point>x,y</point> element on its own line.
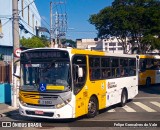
<point>2,115</point>
<point>8,114</point>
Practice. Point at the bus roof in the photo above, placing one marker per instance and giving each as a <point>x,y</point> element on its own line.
<point>73,51</point>
<point>146,56</point>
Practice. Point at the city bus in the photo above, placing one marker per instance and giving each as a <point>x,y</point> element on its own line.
<point>149,69</point>
<point>68,83</point>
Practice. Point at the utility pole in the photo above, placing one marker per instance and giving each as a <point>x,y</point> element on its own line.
<point>56,31</point>
<point>15,28</point>
<point>51,25</point>
<point>59,25</point>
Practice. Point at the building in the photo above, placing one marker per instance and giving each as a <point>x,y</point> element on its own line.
<point>110,45</point>
<point>87,43</point>
<point>29,19</point>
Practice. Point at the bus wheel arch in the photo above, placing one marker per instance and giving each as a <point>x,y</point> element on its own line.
<point>148,82</point>
<point>93,106</point>
<point>124,97</point>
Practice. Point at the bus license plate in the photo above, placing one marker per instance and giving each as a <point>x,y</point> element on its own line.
<point>39,112</point>
<point>46,102</point>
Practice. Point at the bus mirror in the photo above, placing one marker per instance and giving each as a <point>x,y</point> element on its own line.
<point>16,69</point>
<point>80,72</point>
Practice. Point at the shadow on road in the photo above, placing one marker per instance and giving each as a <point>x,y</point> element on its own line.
<point>154,89</point>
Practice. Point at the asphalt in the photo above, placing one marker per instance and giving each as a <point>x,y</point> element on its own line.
<point>7,110</point>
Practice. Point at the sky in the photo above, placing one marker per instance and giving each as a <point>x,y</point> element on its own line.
<point>78,13</point>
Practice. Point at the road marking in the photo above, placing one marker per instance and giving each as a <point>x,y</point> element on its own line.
<point>156,104</point>
<point>112,110</point>
<point>128,109</point>
<point>146,108</point>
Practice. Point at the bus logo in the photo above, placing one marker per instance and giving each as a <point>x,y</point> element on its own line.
<point>42,87</point>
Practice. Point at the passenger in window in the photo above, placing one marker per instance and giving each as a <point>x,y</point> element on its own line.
<point>105,73</point>
<point>131,72</point>
<point>122,72</point>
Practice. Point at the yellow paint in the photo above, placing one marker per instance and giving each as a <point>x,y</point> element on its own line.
<point>87,52</point>
<point>97,88</point>
<point>29,97</point>
<point>146,56</point>
<point>52,87</point>
<point>148,73</point>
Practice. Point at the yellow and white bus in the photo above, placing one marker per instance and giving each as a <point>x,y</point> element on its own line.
<point>68,83</point>
<point>149,69</point>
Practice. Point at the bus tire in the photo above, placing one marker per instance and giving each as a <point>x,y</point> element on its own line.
<point>124,98</point>
<point>92,107</point>
<point>148,82</point>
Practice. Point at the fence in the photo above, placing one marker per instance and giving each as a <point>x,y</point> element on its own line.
<point>5,72</point>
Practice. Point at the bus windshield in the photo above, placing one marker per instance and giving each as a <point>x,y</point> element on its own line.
<point>53,73</point>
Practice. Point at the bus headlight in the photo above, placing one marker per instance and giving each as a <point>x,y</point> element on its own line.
<point>23,103</point>
<point>62,104</point>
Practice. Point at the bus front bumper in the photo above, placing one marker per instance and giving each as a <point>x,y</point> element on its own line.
<point>61,113</point>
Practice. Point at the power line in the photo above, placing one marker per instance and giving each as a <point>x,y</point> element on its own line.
<point>26,6</point>
<point>6,22</point>
<point>33,12</point>
<point>28,25</point>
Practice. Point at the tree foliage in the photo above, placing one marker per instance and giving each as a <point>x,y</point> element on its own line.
<point>34,42</point>
<point>68,42</point>
<point>134,21</point>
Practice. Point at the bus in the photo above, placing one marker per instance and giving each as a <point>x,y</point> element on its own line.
<point>149,70</point>
<point>68,83</point>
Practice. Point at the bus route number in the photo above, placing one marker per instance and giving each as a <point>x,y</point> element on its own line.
<point>45,102</point>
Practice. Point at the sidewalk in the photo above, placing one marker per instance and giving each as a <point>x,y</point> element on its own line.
<point>7,110</point>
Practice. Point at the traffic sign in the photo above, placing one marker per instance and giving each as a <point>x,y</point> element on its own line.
<point>17,52</point>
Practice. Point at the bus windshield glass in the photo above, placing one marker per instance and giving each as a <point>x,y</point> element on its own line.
<point>53,73</point>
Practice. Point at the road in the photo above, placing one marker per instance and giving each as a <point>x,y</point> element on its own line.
<point>144,108</point>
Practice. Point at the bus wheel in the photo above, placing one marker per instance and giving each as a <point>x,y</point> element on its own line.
<point>148,82</point>
<point>123,98</point>
<point>92,107</point>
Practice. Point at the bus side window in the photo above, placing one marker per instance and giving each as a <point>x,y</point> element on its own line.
<point>142,65</point>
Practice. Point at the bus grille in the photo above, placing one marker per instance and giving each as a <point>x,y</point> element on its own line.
<point>49,114</point>
<point>42,106</point>
<point>40,96</point>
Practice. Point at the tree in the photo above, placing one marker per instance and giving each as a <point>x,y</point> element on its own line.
<point>34,42</point>
<point>68,42</point>
<point>130,21</point>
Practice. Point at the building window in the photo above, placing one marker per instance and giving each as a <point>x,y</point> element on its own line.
<point>0,26</point>
<point>120,48</point>
<point>33,21</point>
<point>22,2</point>
<point>28,15</point>
<point>92,48</point>
<point>119,44</point>
<point>106,44</point>
<point>111,49</point>
<point>112,44</point>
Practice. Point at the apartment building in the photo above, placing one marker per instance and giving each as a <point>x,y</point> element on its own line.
<point>110,45</point>
<point>87,43</point>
